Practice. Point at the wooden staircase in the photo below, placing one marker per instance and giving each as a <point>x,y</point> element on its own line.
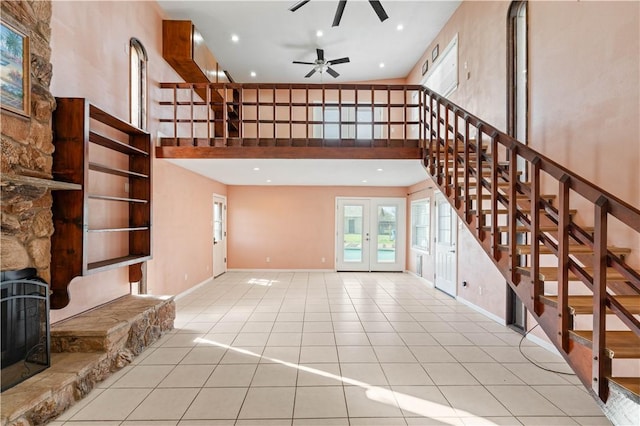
<point>583,293</point>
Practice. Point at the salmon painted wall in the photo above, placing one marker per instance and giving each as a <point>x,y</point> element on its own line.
<point>292,225</point>
<point>90,57</point>
<point>585,98</point>
<point>584,101</point>
<point>477,25</point>
<point>183,223</point>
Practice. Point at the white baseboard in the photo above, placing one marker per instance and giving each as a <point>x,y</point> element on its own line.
<point>426,281</point>
<point>484,312</point>
<point>279,270</point>
<point>189,290</point>
<point>543,344</point>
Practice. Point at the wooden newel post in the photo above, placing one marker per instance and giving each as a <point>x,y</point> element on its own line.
<point>600,362</point>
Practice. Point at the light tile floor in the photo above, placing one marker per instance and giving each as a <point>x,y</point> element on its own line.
<point>334,349</point>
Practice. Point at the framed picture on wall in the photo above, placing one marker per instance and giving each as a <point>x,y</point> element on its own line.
<point>15,87</point>
<point>425,67</point>
<point>435,52</point>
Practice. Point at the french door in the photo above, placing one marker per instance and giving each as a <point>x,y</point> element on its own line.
<point>370,234</point>
<point>219,235</point>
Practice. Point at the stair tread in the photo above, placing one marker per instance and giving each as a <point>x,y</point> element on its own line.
<point>620,344</point>
<point>584,304</point>
<point>551,274</point>
<point>573,249</point>
<point>632,384</point>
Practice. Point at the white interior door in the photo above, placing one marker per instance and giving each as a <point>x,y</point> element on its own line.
<point>370,234</point>
<point>219,235</point>
<point>446,237</point>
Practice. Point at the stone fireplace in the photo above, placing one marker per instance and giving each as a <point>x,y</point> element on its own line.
<point>27,149</point>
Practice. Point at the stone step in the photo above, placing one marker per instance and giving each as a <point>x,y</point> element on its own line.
<point>86,349</point>
<point>106,328</point>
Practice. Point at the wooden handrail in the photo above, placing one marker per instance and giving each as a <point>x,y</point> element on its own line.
<point>246,114</point>
<point>448,139</point>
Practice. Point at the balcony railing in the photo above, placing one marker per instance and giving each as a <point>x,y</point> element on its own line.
<point>311,115</point>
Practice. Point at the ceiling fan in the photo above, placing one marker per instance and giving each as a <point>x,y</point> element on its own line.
<point>321,65</point>
<point>377,7</point>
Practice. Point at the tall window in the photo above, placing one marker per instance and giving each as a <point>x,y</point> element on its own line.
<point>138,83</point>
<point>420,220</point>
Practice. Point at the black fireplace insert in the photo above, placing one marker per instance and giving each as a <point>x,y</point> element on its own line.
<point>24,323</point>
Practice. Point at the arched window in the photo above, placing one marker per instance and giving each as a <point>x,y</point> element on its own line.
<point>138,83</point>
<point>517,64</point>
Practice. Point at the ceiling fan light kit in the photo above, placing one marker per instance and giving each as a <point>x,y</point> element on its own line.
<point>321,65</point>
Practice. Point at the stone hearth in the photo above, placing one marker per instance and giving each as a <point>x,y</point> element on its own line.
<point>86,350</point>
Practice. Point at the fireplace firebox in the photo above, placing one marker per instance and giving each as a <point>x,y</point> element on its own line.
<point>24,322</point>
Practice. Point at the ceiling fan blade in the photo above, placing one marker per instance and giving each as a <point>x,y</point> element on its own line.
<point>339,11</point>
<point>298,5</point>
<point>304,63</point>
<point>310,73</point>
<point>377,6</point>
<point>338,61</point>
<point>332,72</point>
<point>320,53</point>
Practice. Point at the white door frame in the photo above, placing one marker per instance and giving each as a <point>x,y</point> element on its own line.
<point>370,235</point>
<point>446,255</point>
<point>219,245</point>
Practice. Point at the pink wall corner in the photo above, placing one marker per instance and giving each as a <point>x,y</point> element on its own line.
<point>292,225</point>
<point>88,64</point>
<point>183,228</point>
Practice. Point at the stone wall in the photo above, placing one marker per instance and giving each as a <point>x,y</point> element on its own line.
<point>27,147</point>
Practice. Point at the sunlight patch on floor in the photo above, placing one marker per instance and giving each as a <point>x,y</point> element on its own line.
<point>375,393</point>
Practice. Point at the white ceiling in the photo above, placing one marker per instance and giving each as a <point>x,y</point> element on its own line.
<point>307,172</point>
<point>271,37</point>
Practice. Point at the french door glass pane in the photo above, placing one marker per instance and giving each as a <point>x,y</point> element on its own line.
<point>352,243</point>
<point>387,231</point>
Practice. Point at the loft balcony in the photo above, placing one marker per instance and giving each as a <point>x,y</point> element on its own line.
<point>229,120</point>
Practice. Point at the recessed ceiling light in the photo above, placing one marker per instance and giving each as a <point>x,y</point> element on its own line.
<point>256,169</point>
<point>400,27</point>
<point>268,180</point>
<point>235,38</point>
<point>381,65</point>
<point>379,170</point>
<point>319,33</point>
<point>253,73</point>
<point>364,181</point>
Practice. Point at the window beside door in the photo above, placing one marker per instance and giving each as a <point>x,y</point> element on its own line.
<point>420,219</point>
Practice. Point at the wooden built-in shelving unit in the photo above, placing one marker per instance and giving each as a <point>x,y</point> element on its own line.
<point>122,168</point>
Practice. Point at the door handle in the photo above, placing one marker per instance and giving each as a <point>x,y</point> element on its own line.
<point>215,242</point>
<point>452,251</point>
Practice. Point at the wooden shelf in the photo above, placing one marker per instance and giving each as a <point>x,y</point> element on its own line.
<point>76,137</point>
<point>115,145</point>
<point>118,172</point>
<point>123,199</point>
<point>139,228</point>
<point>105,265</point>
